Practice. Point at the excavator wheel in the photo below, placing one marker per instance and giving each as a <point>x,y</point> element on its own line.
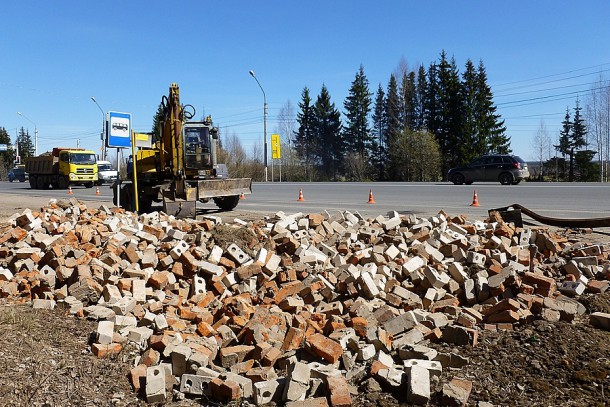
<point>227,203</point>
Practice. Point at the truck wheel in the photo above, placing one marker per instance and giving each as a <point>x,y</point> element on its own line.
<point>33,181</point>
<point>63,183</point>
<point>41,183</point>
<point>227,203</point>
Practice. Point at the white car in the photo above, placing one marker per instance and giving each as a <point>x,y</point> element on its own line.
<point>105,173</point>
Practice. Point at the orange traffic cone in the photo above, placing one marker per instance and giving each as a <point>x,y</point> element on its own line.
<point>70,190</point>
<point>97,190</point>
<point>371,199</point>
<point>242,196</point>
<point>301,199</point>
<point>475,199</point>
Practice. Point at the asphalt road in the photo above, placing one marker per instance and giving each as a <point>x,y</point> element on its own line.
<point>579,200</point>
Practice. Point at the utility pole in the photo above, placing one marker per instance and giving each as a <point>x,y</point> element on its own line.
<point>103,128</point>
<point>264,121</point>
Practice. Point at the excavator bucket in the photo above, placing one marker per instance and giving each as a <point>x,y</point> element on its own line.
<point>180,208</point>
<point>213,188</point>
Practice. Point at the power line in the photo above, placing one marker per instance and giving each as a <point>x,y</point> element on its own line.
<point>549,89</point>
<point>553,75</point>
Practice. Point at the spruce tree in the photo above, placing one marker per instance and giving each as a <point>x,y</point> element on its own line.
<point>157,123</point>
<point>26,147</point>
<point>577,139</point>
<point>420,99</point>
<point>8,156</point>
<point>393,128</point>
<point>432,107</point>
<point>451,109</point>
<point>357,134</point>
<point>304,137</point>
<point>378,131</point>
<point>564,137</point>
<point>490,124</point>
<point>407,101</point>
<point>328,135</point>
<point>473,144</point>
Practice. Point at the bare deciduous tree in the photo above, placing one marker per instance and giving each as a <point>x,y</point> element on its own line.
<point>541,144</point>
<point>286,123</point>
<point>355,167</point>
<point>598,122</point>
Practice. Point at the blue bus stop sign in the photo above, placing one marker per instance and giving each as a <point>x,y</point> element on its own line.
<point>119,130</point>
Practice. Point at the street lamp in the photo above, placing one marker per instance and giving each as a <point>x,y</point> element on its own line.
<point>35,133</point>
<point>103,127</point>
<point>264,119</point>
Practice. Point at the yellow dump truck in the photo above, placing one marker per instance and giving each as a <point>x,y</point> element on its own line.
<point>61,168</point>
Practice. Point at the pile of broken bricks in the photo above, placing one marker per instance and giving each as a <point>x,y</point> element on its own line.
<point>308,310</point>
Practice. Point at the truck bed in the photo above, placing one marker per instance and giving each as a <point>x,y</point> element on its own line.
<point>42,165</point>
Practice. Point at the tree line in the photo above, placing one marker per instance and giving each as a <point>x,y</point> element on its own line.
<point>8,158</point>
<point>414,129</point>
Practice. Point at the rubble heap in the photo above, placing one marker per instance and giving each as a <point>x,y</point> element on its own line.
<point>294,307</point>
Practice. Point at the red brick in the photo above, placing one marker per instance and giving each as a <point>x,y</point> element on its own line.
<point>226,390</point>
<point>325,348</point>
<point>506,316</point>
<point>150,357</point>
<point>104,351</point>
<point>339,391</point>
<point>137,376</point>
<point>294,339</point>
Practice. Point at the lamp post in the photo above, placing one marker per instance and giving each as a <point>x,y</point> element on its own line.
<point>35,133</point>
<point>103,127</point>
<point>264,119</point>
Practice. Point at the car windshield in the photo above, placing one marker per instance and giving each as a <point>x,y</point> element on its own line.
<point>519,159</point>
<point>82,158</point>
<point>104,167</point>
<point>18,171</point>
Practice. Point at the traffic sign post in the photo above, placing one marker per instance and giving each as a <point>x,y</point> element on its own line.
<point>118,134</point>
<point>276,153</point>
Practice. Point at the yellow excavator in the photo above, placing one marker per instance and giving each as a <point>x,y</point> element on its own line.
<point>180,167</point>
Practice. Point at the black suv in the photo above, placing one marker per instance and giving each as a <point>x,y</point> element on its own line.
<point>504,168</point>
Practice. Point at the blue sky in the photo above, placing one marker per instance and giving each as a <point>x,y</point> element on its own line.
<point>56,55</point>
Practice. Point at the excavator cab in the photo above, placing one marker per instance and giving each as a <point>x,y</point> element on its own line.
<point>197,149</point>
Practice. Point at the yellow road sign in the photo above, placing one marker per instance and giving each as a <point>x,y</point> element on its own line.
<point>276,151</point>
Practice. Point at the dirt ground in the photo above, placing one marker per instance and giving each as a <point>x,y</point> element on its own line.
<point>45,357</point>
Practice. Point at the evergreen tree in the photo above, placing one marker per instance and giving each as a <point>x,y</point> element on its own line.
<point>8,156</point>
<point>420,98</point>
<point>393,128</point>
<point>451,109</point>
<point>490,125</point>
<point>432,110</point>
<point>328,135</point>
<point>572,138</point>
<point>378,132</point>
<point>26,147</point>
<point>158,123</point>
<point>304,137</point>
<point>407,101</point>
<point>564,136</point>
<point>577,139</point>
<point>357,134</point>
<point>473,145</point>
